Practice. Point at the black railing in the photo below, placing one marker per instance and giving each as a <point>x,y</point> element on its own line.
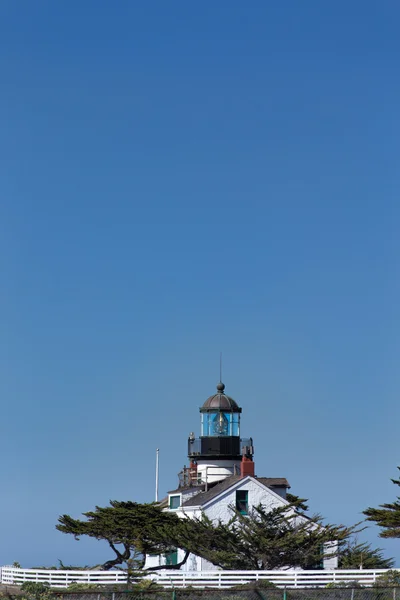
<point>220,446</point>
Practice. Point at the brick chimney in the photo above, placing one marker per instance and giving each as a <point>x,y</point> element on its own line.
<point>246,466</point>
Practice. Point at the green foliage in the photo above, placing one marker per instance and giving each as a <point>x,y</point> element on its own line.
<point>132,530</point>
<point>282,538</point>
<point>299,503</point>
<point>387,516</point>
<point>146,585</point>
<point>362,556</point>
<point>35,591</point>
<point>83,587</point>
<point>389,579</point>
<point>263,539</point>
<point>343,584</point>
<point>261,584</point>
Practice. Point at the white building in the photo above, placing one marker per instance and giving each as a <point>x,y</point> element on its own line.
<point>221,474</point>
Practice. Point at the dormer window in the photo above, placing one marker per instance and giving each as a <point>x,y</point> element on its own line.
<point>174,502</point>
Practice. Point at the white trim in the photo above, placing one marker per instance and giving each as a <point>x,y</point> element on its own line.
<point>179,495</point>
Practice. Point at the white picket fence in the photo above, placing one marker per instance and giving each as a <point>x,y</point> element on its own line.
<point>59,578</point>
<point>282,579</point>
<point>197,579</point>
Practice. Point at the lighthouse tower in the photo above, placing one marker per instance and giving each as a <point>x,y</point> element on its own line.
<point>220,451</point>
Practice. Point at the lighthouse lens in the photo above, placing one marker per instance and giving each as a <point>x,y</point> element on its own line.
<point>220,424</point>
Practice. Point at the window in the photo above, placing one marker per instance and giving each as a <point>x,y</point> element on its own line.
<point>174,501</point>
<point>171,557</point>
<point>218,423</point>
<point>242,501</point>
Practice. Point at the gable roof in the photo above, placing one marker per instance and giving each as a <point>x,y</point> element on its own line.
<point>204,497</point>
<point>163,503</point>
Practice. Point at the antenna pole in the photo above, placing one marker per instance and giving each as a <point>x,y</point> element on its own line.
<point>157,463</point>
<point>220,367</point>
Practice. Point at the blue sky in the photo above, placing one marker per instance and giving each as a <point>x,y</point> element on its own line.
<point>176,180</point>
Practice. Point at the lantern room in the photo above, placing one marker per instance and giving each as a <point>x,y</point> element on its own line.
<point>220,415</point>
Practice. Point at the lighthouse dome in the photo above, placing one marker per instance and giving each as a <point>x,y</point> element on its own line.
<point>220,402</point>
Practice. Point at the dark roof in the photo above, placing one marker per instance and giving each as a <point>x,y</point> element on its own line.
<point>204,497</point>
<point>272,482</point>
<point>220,401</point>
<point>163,503</point>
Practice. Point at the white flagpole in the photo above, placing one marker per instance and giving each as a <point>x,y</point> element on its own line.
<point>157,461</point>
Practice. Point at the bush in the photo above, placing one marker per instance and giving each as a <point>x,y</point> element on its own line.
<point>145,585</point>
<point>35,591</point>
<point>343,584</point>
<point>83,587</point>
<point>389,579</point>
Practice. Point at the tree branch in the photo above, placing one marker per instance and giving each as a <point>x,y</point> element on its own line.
<point>120,558</point>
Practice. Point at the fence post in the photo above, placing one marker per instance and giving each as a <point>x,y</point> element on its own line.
<point>284,594</point>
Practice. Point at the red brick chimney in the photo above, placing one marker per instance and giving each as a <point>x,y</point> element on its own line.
<point>246,466</point>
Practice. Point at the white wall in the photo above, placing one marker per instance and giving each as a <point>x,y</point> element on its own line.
<point>331,562</point>
<point>257,494</point>
<point>218,470</point>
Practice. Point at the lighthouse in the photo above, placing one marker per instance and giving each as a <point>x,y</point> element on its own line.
<point>220,479</point>
<point>220,451</point>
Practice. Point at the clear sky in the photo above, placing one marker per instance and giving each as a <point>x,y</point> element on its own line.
<point>179,179</point>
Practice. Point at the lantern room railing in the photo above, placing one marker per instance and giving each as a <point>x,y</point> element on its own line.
<point>197,448</point>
